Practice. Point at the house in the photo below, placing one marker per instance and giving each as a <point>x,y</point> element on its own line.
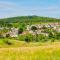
<point>13,32</point>
<point>28,28</point>
<point>58,29</point>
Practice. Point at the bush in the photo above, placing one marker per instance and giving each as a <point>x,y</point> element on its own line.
<point>42,37</point>
<point>7,42</point>
<point>1,36</point>
<point>52,40</point>
<point>7,35</point>
<point>57,36</point>
<point>21,37</point>
<point>50,35</point>
<point>27,39</point>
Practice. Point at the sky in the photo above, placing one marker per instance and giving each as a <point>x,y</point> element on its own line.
<point>12,8</point>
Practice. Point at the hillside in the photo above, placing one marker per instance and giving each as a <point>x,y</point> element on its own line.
<point>29,19</point>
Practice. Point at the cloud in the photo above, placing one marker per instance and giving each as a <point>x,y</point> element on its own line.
<point>7,5</point>
<point>9,9</point>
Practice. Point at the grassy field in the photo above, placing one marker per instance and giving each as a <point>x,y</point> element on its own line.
<point>17,43</point>
<point>47,51</point>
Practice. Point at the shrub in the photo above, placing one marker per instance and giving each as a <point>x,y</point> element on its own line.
<point>27,39</point>
<point>1,36</point>
<point>52,40</point>
<point>7,35</point>
<point>50,35</point>
<point>7,42</point>
<point>21,37</point>
<point>57,36</point>
<point>42,37</point>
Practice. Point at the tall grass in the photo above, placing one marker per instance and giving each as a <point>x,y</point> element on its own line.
<point>46,52</point>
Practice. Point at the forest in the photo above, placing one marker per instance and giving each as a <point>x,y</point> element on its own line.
<point>27,20</point>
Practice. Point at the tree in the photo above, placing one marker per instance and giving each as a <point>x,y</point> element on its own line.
<point>9,25</point>
<point>44,27</point>
<point>50,35</point>
<point>20,30</point>
<point>34,28</point>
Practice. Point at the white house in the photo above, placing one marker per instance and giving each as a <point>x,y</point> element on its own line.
<point>14,32</point>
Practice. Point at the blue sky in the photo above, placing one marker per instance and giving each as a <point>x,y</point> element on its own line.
<point>11,8</point>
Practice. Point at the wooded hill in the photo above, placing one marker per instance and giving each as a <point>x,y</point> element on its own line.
<point>28,19</point>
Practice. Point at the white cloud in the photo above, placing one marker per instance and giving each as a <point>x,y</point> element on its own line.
<point>7,5</point>
<point>8,9</point>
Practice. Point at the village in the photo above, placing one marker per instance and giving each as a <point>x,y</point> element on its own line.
<point>13,32</point>
<point>39,27</point>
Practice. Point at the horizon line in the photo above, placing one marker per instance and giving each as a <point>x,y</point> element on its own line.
<point>28,15</point>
